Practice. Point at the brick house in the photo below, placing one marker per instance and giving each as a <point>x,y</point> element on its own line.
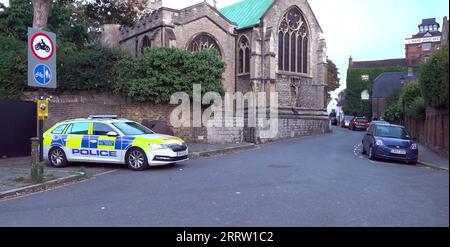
<point>424,44</point>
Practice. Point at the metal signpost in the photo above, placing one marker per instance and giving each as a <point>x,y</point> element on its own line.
<point>41,72</point>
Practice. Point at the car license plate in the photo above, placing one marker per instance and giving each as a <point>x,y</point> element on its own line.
<point>184,153</point>
<point>398,151</point>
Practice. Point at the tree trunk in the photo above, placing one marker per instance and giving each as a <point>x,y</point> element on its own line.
<point>41,9</point>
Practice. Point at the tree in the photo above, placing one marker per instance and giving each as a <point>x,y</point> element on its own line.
<point>41,10</point>
<point>64,19</point>
<point>332,77</point>
<point>434,79</point>
<point>110,12</point>
<point>13,66</point>
<point>15,19</point>
<point>67,21</point>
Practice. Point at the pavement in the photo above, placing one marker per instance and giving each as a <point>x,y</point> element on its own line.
<point>310,181</point>
<point>429,158</point>
<point>15,172</point>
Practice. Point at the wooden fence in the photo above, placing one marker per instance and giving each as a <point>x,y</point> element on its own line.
<point>433,131</point>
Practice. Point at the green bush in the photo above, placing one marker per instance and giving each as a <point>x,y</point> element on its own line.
<point>393,113</point>
<point>411,96</point>
<point>434,79</point>
<point>417,108</point>
<point>88,69</point>
<point>13,67</point>
<point>158,73</point>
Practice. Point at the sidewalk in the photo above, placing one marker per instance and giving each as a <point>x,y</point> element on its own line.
<point>432,159</point>
<point>206,150</point>
<point>15,172</point>
<point>15,176</point>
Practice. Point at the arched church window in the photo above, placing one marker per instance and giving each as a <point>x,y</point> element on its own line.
<point>146,43</point>
<point>244,55</point>
<point>293,43</point>
<point>202,42</point>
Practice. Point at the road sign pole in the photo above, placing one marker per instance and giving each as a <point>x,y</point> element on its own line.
<point>41,130</point>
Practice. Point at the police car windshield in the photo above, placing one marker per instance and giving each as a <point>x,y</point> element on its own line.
<point>132,128</point>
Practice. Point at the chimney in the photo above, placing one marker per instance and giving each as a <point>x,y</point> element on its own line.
<point>350,62</point>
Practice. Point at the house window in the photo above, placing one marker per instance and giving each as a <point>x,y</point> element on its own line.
<point>145,43</point>
<point>426,46</point>
<point>293,43</point>
<point>203,41</point>
<point>244,55</point>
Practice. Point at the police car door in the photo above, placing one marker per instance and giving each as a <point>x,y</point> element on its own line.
<point>77,142</point>
<point>104,145</point>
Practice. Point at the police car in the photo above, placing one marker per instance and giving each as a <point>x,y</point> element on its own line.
<point>108,139</point>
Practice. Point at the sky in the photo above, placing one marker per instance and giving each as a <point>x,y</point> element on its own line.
<point>364,29</point>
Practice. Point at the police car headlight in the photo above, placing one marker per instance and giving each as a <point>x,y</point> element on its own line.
<point>158,146</point>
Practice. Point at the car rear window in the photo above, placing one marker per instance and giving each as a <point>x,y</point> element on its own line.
<point>361,120</point>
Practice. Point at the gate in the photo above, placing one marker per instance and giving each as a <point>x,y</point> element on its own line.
<point>18,124</point>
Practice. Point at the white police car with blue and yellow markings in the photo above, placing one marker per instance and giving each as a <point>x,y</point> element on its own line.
<point>107,139</point>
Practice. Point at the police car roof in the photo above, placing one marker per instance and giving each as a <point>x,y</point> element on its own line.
<point>108,120</point>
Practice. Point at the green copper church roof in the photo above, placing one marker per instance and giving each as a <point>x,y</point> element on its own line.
<point>246,12</point>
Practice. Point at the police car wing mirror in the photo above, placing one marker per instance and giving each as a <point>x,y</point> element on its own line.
<point>112,133</point>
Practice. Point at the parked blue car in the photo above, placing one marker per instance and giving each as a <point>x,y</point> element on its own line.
<point>391,142</point>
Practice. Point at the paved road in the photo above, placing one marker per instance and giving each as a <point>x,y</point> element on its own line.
<point>313,181</point>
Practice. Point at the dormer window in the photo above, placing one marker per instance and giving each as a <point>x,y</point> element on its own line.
<point>421,29</point>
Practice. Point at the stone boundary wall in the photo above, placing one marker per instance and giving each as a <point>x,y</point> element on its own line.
<point>292,122</point>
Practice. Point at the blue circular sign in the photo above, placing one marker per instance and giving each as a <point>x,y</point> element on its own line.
<point>42,74</point>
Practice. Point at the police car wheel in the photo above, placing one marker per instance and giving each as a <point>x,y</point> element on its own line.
<point>57,158</point>
<point>136,159</point>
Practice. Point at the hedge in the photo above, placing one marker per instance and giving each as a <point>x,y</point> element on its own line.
<point>159,72</point>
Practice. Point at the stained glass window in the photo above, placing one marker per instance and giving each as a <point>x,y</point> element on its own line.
<point>146,43</point>
<point>203,41</point>
<point>244,55</point>
<point>293,43</point>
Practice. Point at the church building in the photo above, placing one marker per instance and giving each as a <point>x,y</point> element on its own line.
<point>267,45</point>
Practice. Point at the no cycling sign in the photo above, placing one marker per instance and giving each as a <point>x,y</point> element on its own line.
<point>41,58</point>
